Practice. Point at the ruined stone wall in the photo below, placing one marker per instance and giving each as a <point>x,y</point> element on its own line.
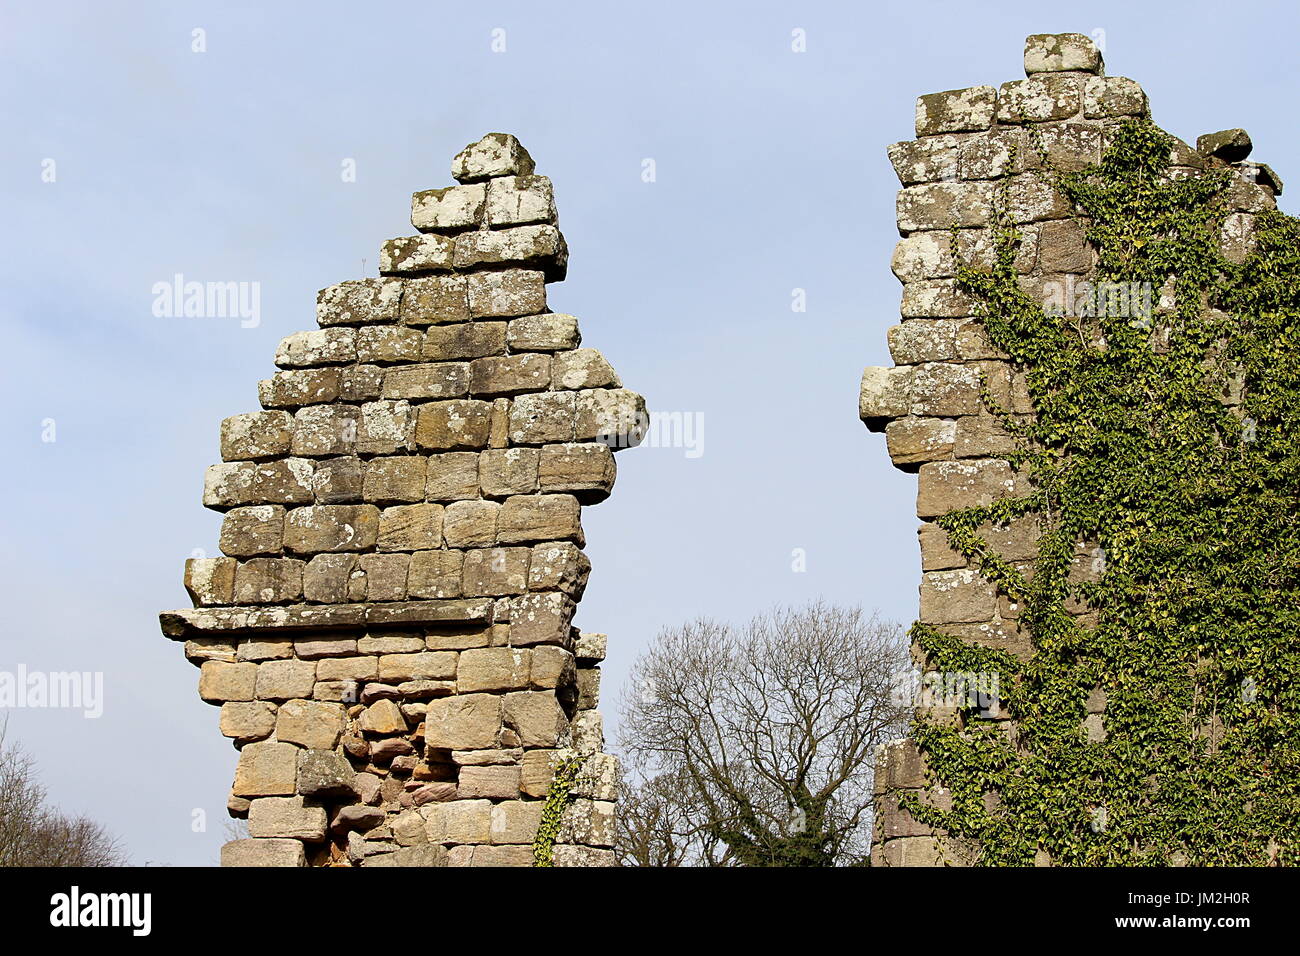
<point>389,635</point>
<point>929,404</point>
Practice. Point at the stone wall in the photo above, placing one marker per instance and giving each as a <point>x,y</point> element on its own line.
<point>389,635</point>
<point>929,404</point>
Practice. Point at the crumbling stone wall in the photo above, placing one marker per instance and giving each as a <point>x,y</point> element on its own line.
<point>929,404</point>
<point>389,635</point>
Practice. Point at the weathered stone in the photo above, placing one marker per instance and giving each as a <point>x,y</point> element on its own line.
<point>453,425</point>
<point>316,725</point>
<point>494,783</point>
<point>588,823</point>
<point>496,154</point>
<point>266,769</point>
<point>325,579</point>
<point>914,440</point>
<point>357,818</point>
<point>386,344</point>
<point>436,380</point>
<point>414,856</point>
<point>255,435</point>
<point>1040,99</point>
<point>506,294</point>
<point>325,430</point>
<point>359,301</point>
<point>1059,52</point>
<point>471,524</point>
<point>411,527</point>
<point>944,206</point>
<point>435,574</point>
<point>424,665</point>
<point>559,566</point>
<point>536,716</point>
<point>536,246</point>
<point>313,650</point>
<point>449,209</point>
<point>413,255</point>
<point>1229,145</point>
<point>360,383</point>
<point>246,721</point>
<point>591,647</point>
<point>331,528</point>
<point>257,853</point>
<point>286,817</point>
<point>252,530</point>
<point>332,346</point>
<point>1110,97</point>
<point>265,650</point>
<point>552,667</point>
<point>460,821</point>
<point>510,374</point>
<point>210,580</point>
<point>548,332</point>
<point>530,518</point>
<point>465,340</point>
<point>383,717</point>
<point>285,680</point>
<point>927,160</point>
<point>955,597</point>
<point>543,417</point>
<point>515,200</point>
<point>268,581</point>
<point>452,477</point>
<point>347,668</point>
<point>955,111</point>
<point>949,485</point>
<point>286,481</point>
<point>298,387</point>
<point>614,416</point>
<point>464,722</point>
<point>338,481</point>
<point>492,669</point>
<point>540,618</point>
<point>433,300</point>
<point>495,572</point>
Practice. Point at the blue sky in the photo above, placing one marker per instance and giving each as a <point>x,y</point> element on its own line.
<point>224,165</point>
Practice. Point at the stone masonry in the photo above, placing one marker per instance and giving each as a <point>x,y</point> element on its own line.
<point>929,404</point>
<point>388,634</point>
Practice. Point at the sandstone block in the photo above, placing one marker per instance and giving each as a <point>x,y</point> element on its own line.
<point>464,340</point>
<point>463,722</point>
<point>360,383</point>
<point>435,380</point>
<point>453,425</point>
<point>955,597</point>
<point>268,581</point>
<point>266,769</point>
<point>949,485</point>
<point>298,387</point>
<point>255,435</point>
<point>492,669</point>
<point>914,440</point>
<point>615,416</point>
<point>285,680</point>
<point>411,527</point>
<point>536,246</point>
<point>460,821</point>
<point>411,255</point>
<point>331,528</point>
<point>536,716</point>
<point>424,665</point>
<point>471,524</point>
<point>313,650</point>
<point>510,374</point>
<point>325,579</point>
<point>379,577</point>
<point>383,717</point>
<point>585,470</point>
<point>450,209</point>
<point>540,618</point>
<point>249,853</point>
<point>332,346</point>
<point>588,822</point>
<point>286,481</point>
<point>338,481</point>
<point>944,206</point>
<point>955,111</point>
<point>552,667</point>
<point>531,518</point>
<point>559,566</point>
<point>885,393</point>
<point>325,774</point>
<point>506,294</point>
<point>220,681</point>
<point>392,479</point>
<point>548,332</point>
<point>927,160</point>
<point>434,300</point>
<point>252,530</point>
<point>496,154</point>
<point>942,390</point>
<point>286,817</point>
<point>358,302</point>
<point>516,200</point>
<point>583,368</point>
<point>385,344</point>
<point>543,417</point>
<point>325,430</point>
<point>1040,99</point>
<point>347,668</point>
<point>435,574</point>
<point>1058,52</point>
<point>210,581</point>
<point>508,471</point>
<point>492,783</point>
<point>495,572</point>
<point>452,477</point>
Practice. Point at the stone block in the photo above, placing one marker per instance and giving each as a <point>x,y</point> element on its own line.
<point>536,716</point>
<point>510,374</point>
<point>286,481</point>
<point>394,479</point>
<point>256,435</point>
<point>465,340</point>
<point>946,486</point>
<point>955,111</point>
<point>463,722</point>
<point>338,481</point>
<point>332,346</point>
<point>325,579</point>
<point>453,425</point>
<point>320,430</point>
<point>386,344</point>
<point>491,783</point>
<point>288,817</point>
<point>1060,52</point>
<point>448,210</point>
<point>285,680</point>
<point>583,368</point>
<point>434,300</point>
<point>268,581</point>
<point>453,476</point>
<point>506,294</point>
<point>210,581</point>
<point>495,572</point>
<point>559,566</point>
<point>541,617</point>
<point>956,597</point>
<point>358,302</point>
<point>433,380</point>
<point>266,769</point>
<point>258,853</point>
<point>543,417</point>
<point>325,774</point>
<point>298,387</point>
<point>516,200</point>
<point>496,154</point>
<point>944,206</point>
<point>492,669</point>
<point>548,332</point>
<point>1041,99</point>
<point>220,681</point>
<point>615,416</point>
<point>331,528</point>
<point>252,530</point>
<point>424,665</point>
<point>471,524</point>
<point>413,255</point>
<point>435,574</point>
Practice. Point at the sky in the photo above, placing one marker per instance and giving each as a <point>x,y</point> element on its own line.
<point>139,149</point>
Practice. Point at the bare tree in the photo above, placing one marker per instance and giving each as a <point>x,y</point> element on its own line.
<point>32,833</point>
<point>753,746</point>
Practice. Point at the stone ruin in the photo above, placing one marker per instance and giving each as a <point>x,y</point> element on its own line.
<point>929,403</point>
<point>388,634</point>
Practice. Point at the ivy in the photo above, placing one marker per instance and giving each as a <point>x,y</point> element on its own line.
<point>557,799</point>
<point>1162,448</point>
